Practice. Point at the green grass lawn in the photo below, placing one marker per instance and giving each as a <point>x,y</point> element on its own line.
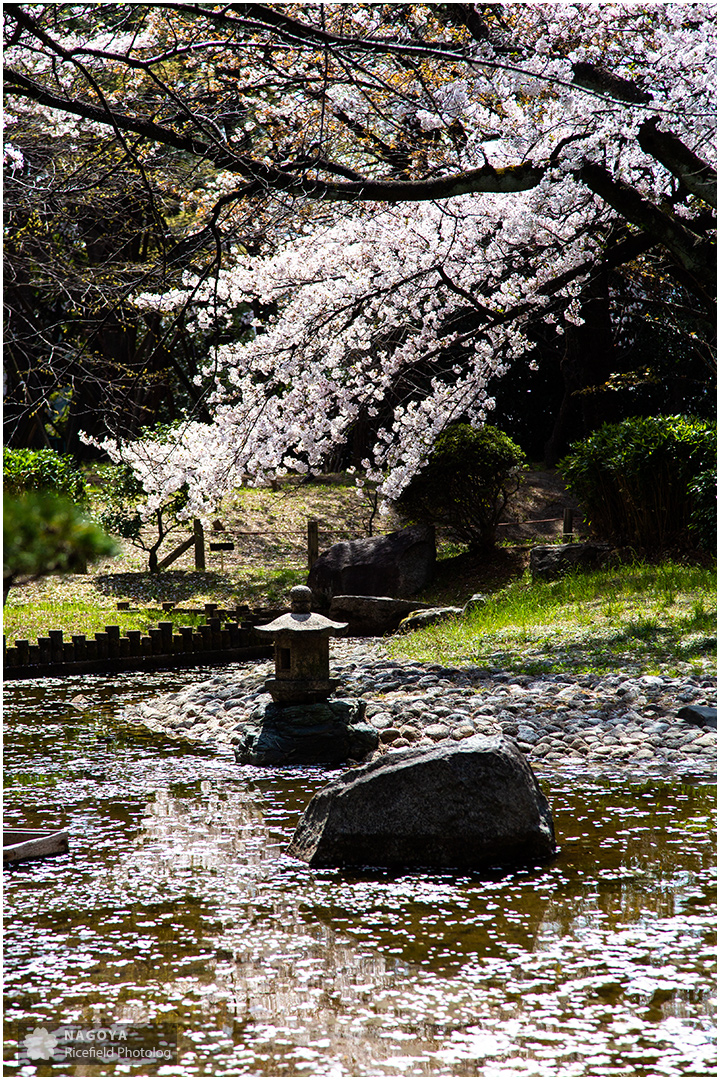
<point>30,621</point>
<point>639,617</point>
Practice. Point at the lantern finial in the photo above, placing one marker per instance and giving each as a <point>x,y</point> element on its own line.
<point>300,599</point>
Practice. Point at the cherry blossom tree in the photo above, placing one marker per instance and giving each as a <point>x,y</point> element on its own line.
<point>398,193</point>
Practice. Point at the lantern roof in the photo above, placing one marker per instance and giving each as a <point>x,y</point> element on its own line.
<point>299,621</point>
<point>300,617</point>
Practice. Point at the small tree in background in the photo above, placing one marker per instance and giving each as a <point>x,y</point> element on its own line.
<point>122,512</point>
<point>643,482</point>
<point>47,534</point>
<point>466,484</point>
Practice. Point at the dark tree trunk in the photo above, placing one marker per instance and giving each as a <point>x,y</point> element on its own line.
<point>585,367</point>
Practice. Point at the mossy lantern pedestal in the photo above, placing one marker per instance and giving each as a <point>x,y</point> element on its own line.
<point>302,652</point>
<point>301,726</point>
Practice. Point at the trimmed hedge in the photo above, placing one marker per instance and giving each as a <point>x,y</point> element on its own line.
<point>43,470</point>
<point>469,477</point>
<point>644,482</point>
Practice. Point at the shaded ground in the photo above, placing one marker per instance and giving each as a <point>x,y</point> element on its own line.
<point>536,511</point>
<point>459,576</point>
<point>268,529</point>
<point>535,516</point>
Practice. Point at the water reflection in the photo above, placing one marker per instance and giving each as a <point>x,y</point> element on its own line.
<point>177,903</point>
<point>180,831</point>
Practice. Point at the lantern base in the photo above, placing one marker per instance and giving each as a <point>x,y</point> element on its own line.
<point>300,691</point>
<point>323,733</point>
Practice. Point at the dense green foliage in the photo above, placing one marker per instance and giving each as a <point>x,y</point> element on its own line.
<point>639,481</point>
<point>703,519</point>
<point>42,470</point>
<point>466,483</point>
<point>47,534</point>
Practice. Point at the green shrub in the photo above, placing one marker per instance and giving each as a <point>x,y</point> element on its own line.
<point>637,481</point>
<point>470,475</point>
<point>45,533</point>
<point>120,494</point>
<point>43,470</point>
<point>703,519</point>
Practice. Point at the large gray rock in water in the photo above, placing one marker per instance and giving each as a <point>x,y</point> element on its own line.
<point>324,733</point>
<point>553,560</point>
<point>398,564</point>
<point>370,615</point>
<point>469,805</point>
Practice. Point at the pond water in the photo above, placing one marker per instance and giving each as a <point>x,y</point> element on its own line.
<point>176,904</point>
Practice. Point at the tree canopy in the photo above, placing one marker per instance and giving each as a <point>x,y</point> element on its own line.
<point>376,208</point>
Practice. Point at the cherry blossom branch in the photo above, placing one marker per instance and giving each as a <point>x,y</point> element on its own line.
<point>697,176</point>
<point>261,18</point>
<point>695,254</point>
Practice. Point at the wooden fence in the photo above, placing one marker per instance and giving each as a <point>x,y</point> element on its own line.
<point>225,637</point>
<point>197,540</point>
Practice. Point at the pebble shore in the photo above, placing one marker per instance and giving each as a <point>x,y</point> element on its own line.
<point>618,720</point>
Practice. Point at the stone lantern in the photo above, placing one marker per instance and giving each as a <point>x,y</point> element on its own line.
<point>300,726</point>
<point>302,652</point>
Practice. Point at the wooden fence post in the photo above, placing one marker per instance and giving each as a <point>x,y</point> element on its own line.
<point>177,552</point>
<point>199,535</point>
<point>567,525</point>
<point>56,646</point>
<point>313,543</point>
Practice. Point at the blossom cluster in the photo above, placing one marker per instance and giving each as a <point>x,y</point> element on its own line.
<point>403,315</point>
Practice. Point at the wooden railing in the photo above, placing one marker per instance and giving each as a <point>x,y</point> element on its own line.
<point>197,540</point>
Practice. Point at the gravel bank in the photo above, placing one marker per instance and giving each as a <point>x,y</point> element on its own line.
<point>619,720</point>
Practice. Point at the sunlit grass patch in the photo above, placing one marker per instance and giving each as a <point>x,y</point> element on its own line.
<point>146,593</point>
<point>30,621</point>
<point>269,586</point>
<point>641,616</point>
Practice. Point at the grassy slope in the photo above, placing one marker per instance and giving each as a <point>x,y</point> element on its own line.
<point>639,617</point>
<point>268,528</point>
<point>655,617</point>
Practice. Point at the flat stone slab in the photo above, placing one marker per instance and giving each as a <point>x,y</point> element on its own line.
<point>699,714</point>
<point>324,733</point>
<point>371,615</point>
<point>470,805</point>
